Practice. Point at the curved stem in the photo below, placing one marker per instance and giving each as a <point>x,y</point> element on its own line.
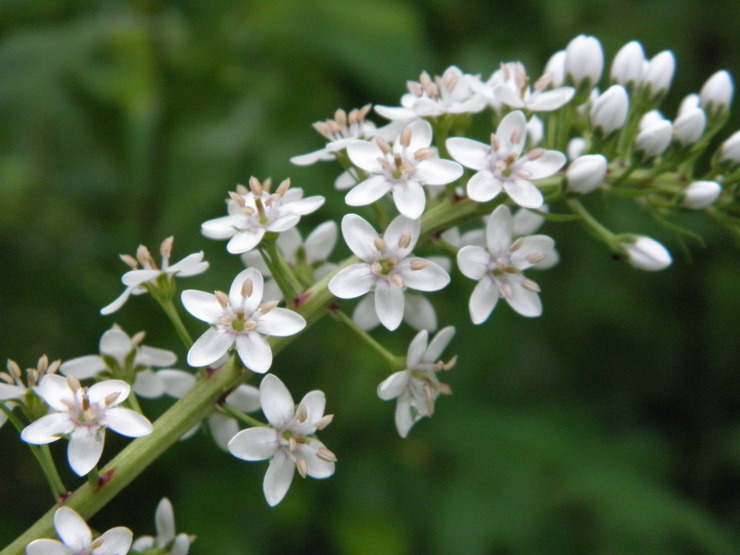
<point>394,362</point>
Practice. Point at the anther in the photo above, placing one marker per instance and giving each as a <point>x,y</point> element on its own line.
<point>325,455</point>
<point>376,267</point>
<point>165,249</point>
<point>535,153</point>
<point>506,290</point>
<point>130,261</point>
<point>283,187</point>
<point>237,198</point>
<point>423,154</point>
<point>255,186</point>
<point>535,257</point>
<point>397,279</point>
<point>516,136</point>
<point>405,137</point>
<point>300,464</point>
<point>110,399</point>
<point>418,264</point>
<point>379,244</point>
<point>73,383</point>
<point>267,306</point>
<point>222,298</point>
<point>138,337</point>
<point>143,255</point>
<point>404,240</point>
<point>324,421</point>
<point>301,413</point>
<point>383,145</point>
<point>247,288</point>
<point>516,245</point>
<point>530,285</point>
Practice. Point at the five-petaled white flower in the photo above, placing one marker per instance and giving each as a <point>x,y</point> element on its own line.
<point>239,319</point>
<point>417,387</point>
<point>498,268</point>
<point>254,212</point>
<point>135,279</point>
<point>166,542</point>
<point>401,170</point>
<point>387,266</point>
<point>120,355</point>
<point>78,540</point>
<point>502,164</point>
<point>82,414</point>
<point>288,441</point>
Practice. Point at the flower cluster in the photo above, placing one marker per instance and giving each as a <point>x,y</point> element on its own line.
<point>441,198</point>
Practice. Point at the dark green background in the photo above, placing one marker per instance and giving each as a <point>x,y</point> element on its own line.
<point>608,425</point>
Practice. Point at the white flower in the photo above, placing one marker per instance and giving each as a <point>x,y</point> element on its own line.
<point>401,169</point>
<point>77,538</point>
<point>609,111</point>
<point>510,86</point>
<point>716,93</point>
<point>418,387</point>
<point>115,357</point>
<point>166,542</point>
<point>584,61</point>
<point>387,266</point>
<point>658,74</point>
<point>653,140</point>
<point>498,268</point>
<point>628,65</point>
<point>449,94</point>
<point>13,389</point>
<point>255,212</point>
<point>646,254</point>
<point>134,280</point>
<point>82,414</point>
<point>503,166</point>
<point>288,441</point>
<point>689,126</point>
<point>586,173</point>
<point>239,319</point>
<point>701,194</point>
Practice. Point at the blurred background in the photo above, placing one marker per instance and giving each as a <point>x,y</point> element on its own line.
<point>608,425</point>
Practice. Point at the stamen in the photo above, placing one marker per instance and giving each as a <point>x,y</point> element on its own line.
<point>325,455</point>
<point>241,189</point>
<point>300,464</point>
<point>535,257</point>
<point>283,187</point>
<point>73,383</point>
<point>404,240</point>
<point>138,337</point>
<point>222,298</point>
<point>506,290</point>
<point>130,261</point>
<point>516,136</point>
<point>535,153</point>
<point>405,138</point>
<point>238,199</point>
<point>397,279</point>
<point>143,255</point>
<point>516,245</point>
<point>423,154</point>
<point>267,306</point>
<point>301,413</point>
<point>444,389</point>
<point>376,267</point>
<point>379,244</point>
<point>165,249</point>
<point>324,421</point>
<point>14,369</point>
<point>110,399</point>
<point>383,145</point>
<point>340,116</point>
<point>530,285</point>
<point>292,444</point>
<point>418,264</point>
<point>255,186</point>
<point>247,288</point>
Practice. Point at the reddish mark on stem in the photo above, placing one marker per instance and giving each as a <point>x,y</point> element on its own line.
<point>104,478</point>
<point>302,298</point>
<point>64,497</point>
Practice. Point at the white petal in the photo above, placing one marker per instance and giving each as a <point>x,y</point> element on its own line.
<point>277,402</point>
<point>409,199</point>
<point>389,304</point>
<point>116,343</point>
<point>430,278</point>
<point>525,302</point>
<point>439,343</point>
<point>365,155</point>
<point>512,132</point>
<point>544,165</point>
<point>246,398</point>
<point>47,547</point>
<point>417,347</point>
<point>314,402</point>
<point>547,101</point>
<point>126,422</point>
<point>252,302</point>
<point>222,228</point>
<point>352,281</point>
<point>254,351</point>
<point>498,230</point>
<point>72,529</point>
<point>524,193</point>
<point>176,383</point>
<point>421,135</point>
<point>394,385</point>
<point>471,154</point>
<point>134,278</point>
<point>8,391</point>
<point>100,390</point>
<point>209,347</point>
<point>55,390</point>
<point>147,384</point>
<point>280,322</point>
<point>304,206</point>
<point>85,448</point>
<point>117,303</point>
<point>254,444</point>
<point>483,300</point>
<point>83,367</point>
<point>359,236</point>
<point>404,420</point>
<point>419,313</point>
<point>433,171</point>
<point>533,245</point>
<point>115,541</point>
<point>344,181</point>
<point>278,477</point>
<point>191,265</point>
<point>202,305</point>
<point>364,314</point>
<point>151,356</point>
<point>399,226</point>
<point>222,429</point>
<point>321,155</point>
<point>47,428</point>
<point>368,191</point>
<point>320,242</point>
<point>473,261</point>
<point>245,240</point>
<point>483,186</point>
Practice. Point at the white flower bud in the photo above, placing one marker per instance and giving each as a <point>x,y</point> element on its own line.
<point>610,110</point>
<point>716,93</point>
<point>535,131</point>
<point>730,149</point>
<point>575,148</point>
<point>584,60</point>
<point>586,173</point>
<point>701,194</point>
<point>689,126</point>
<point>689,102</point>
<point>659,73</point>
<point>653,140</point>
<point>650,118</point>
<point>647,254</point>
<point>628,65</point>
<point>555,67</point>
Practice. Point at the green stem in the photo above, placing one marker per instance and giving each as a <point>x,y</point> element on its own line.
<point>239,415</point>
<point>42,455</point>
<point>282,273</point>
<point>171,311</point>
<point>592,225</point>
<point>395,362</point>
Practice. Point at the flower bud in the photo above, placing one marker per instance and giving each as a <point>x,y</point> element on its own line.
<point>584,60</point>
<point>576,147</point>
<point>689,126</point>
<point>659,74</point>
<point>586,173</point>
<point>701,194</point>
<point>716,93</point>
<point>610,110</point>
<point>535,131</point>
<point>650,118</point>
<point>555,67</point>
<point>729,152</point>
<point>628,65</point>
<point>653,140</point>
<point>689,102</point>
<point>646,254</point>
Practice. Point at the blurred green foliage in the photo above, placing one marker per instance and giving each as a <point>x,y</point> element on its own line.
<point>609,425</point>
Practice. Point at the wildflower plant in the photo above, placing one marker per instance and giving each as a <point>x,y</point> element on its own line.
<point>425,182</point>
